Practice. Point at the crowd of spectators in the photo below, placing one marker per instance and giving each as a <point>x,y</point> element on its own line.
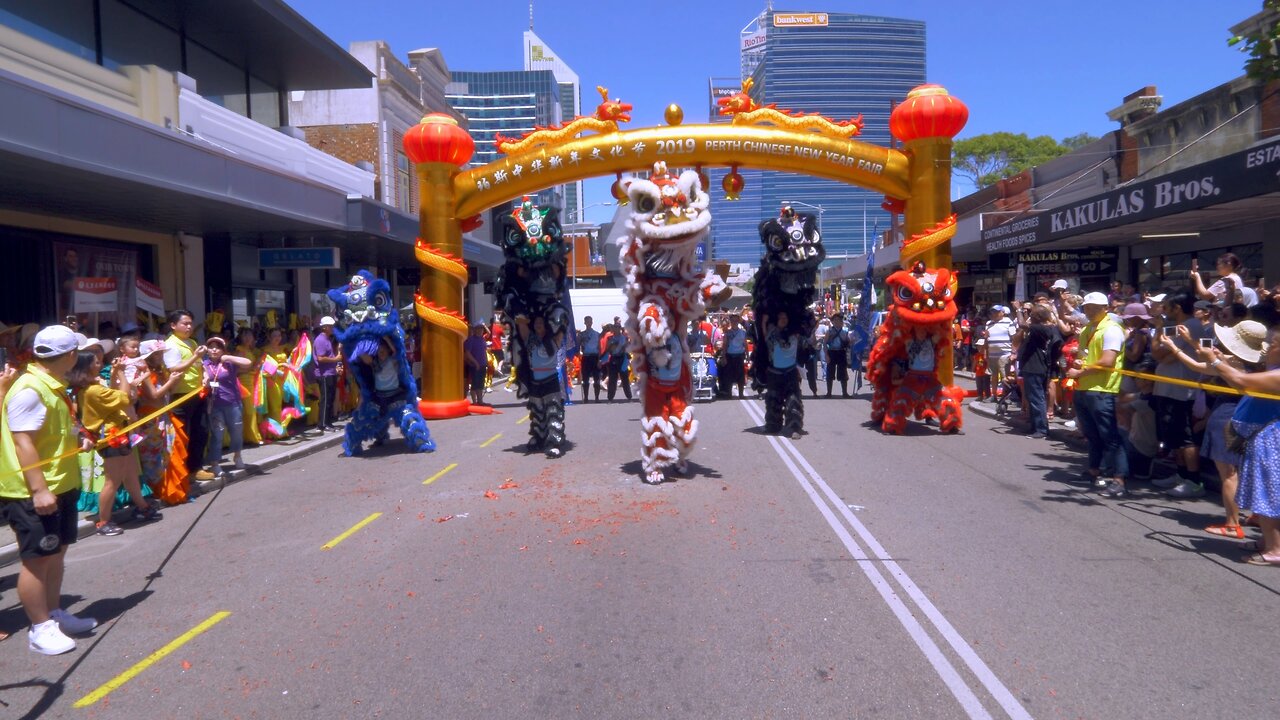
<point>92,425</point>
<point>1148,380</point>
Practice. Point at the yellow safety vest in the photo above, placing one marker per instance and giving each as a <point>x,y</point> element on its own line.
<point>194,375</point>
<point>1099,380</point>
<point>55,438</point>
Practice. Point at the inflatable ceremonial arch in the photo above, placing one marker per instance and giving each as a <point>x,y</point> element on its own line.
<point>916,182</point>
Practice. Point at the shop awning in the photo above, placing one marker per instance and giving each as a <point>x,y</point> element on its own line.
<point>1226,191</point>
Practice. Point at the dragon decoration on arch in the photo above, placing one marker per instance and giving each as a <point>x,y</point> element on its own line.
<point>785,283</point>
<point>373,350</point>
<point>915,336</point>
<point>665,290</point>
<point>530,291</point>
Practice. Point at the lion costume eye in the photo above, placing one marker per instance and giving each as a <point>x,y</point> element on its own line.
<point>776,243</point>
<point>645,196</point>
<point>905,293</point>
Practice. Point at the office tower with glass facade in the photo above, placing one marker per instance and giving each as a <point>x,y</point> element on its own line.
<point>510,103</point>
<point>539,56</point>
<point>841,65</point>
<point>733,222</point>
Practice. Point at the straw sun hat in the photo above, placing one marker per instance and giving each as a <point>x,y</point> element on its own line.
<point>1246,340</point>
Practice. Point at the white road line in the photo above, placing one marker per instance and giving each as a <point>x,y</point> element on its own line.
<point>946,671</point>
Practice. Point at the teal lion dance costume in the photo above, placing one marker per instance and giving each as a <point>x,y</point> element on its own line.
<point>368,320</point>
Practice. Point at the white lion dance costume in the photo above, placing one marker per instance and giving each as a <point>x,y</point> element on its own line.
<point>665,290</point>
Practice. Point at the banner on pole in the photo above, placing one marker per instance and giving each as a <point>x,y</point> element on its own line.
<point>149,297</point>
<point>96,295</point>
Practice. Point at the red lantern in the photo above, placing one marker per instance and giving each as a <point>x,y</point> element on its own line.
<point>619,191</point>
<point>928,112</point>
<point>439,139</point>
<point>732,184</point>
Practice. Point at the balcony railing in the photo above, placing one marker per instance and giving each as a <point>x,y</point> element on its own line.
<point>258,144</point>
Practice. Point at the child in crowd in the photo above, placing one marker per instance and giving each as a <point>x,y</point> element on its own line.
<point>153,394</point>
<point>105,411</point>
<point>221,374</point>
<point>1138,424</point>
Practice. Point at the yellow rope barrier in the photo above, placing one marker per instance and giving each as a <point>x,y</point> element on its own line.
<point>1184,383</point>
<point>123,431</point>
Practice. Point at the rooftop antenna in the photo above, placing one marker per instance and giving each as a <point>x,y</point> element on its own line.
<point>530,14</point>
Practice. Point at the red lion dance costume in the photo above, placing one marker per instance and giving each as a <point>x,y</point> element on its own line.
<point>665,290</point>
<point>903,365</point>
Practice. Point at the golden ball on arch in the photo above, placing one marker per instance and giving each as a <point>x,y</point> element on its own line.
<point>674,114</point>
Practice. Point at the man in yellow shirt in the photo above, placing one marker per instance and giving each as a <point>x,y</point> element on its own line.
<point>183,356</point>
<point>40,486</point>
<point>1101,345</point>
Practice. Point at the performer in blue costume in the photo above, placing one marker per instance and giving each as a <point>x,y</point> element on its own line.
<point>373,349</point>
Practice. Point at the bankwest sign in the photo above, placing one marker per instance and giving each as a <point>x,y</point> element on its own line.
<point>1232,177</point>
<point>800,20</point>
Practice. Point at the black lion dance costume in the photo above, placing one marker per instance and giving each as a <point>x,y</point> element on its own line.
<point>903,366</point>
<point>373,349</point>
<point>784,289</point>
<point>531,291</point>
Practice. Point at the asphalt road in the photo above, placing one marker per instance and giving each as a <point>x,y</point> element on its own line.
<point>846,574</point>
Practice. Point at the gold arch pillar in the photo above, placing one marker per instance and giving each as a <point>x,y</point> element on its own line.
<point>926,122</point>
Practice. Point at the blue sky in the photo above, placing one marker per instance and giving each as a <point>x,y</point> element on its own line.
<point>1039,67</point>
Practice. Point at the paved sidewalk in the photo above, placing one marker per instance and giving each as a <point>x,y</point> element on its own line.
<point>257,460</point>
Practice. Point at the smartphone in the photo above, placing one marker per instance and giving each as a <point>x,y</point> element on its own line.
<point>4,358</point>
<point>1206,342</point>
<point>1170,330</point>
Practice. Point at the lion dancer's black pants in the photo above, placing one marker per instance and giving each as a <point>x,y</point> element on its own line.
<point>546,417</point>
<point>783,409</point>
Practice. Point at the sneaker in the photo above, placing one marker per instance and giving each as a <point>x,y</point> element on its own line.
<point>1037,436</point>
<point>109,528</point>
<point>1114,489</point>
<point>47,639</point>
<point>70,624</point>
<point>1165,483</point>
<point>1070,425</point>
<point>151,513</point>
<point>1186,489</point>
<point>202,475</point>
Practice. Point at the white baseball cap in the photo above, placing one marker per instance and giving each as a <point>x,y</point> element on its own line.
<point>327,321</point>
<point>1095,298</point>
<point>55,340</point>
<point>1059,285</point>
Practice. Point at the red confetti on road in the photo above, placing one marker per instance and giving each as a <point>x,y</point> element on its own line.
<point>491,494</point>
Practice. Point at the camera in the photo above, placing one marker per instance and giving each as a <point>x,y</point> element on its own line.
<point>1206,342</point>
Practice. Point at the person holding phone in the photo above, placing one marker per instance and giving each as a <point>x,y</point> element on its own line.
<point>1173,403</point>
<point>1228,266</point>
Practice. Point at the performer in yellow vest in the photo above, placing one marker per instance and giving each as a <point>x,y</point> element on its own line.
<point>40,486</point>
<point>1102,341</point>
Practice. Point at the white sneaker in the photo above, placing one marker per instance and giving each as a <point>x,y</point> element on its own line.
<point>47,639</point>
<point>1070,425</point>
<point>1165,483</point>
<point>1186,489</point>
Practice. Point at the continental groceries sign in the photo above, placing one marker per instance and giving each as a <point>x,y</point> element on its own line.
<point>800,20</point>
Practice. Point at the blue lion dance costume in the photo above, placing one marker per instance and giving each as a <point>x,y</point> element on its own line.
<point>785,284</point>
<point>531,290</point>
<point>368,321</point>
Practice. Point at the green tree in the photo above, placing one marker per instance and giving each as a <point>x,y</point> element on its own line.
<point>987,159</point>
<point>1262,45</point>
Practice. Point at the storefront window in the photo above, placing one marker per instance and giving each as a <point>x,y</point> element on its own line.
<point>264,103</point>
<point>131,38</point>
<point>66,25</point>
<point>217,80</point>
<point>1166,272</point>
<point>95,283</point>
<point>404,183</point>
